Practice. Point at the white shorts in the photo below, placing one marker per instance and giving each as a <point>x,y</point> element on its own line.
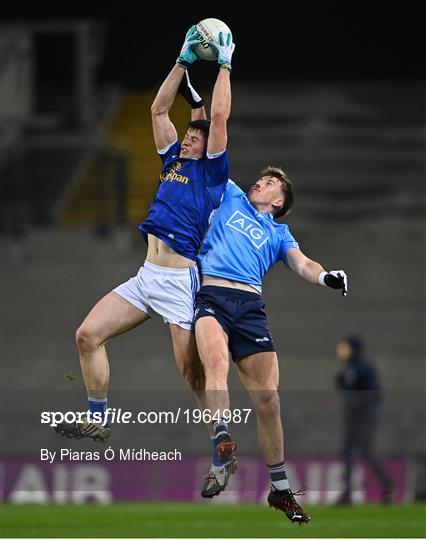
<point>166,292</point>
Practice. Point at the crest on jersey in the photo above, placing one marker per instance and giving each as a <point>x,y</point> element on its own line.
<point>171,173</point>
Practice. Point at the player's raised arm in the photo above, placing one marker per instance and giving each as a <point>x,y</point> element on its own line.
<point>164,131</point>
<point>314,272</point>
<point>221,99</point>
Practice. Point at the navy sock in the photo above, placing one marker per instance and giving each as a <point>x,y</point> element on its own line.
<point>278,476</point>
<point>98,406</point>
<point>220,427</point>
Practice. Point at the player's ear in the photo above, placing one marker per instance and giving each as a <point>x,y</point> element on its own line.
<point>278,203</point>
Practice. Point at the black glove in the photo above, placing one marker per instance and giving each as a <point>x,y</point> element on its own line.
<point>187,91</point>
<point>336,279</point>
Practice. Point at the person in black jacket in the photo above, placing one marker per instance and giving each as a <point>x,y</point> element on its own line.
<point>361,393</point>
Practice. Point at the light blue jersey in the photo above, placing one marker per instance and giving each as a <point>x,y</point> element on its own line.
<point>242,244</point>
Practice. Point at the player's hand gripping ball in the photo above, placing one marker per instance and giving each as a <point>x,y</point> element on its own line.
<point>187,55</point>
<point>209,31</point>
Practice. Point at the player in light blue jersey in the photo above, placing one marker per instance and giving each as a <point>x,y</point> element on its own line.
<point>242,244</point>
<point>192,181</point>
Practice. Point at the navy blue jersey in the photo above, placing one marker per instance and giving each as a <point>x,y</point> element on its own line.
<point>358,374</point>
<point>360,385</point>
<point>189,190</point>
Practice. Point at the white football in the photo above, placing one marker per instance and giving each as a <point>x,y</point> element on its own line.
<point>209,30</point>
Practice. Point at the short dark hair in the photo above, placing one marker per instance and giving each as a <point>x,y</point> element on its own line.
<point>355,343</point>
<point>287,188</point>
<point>201,125</point>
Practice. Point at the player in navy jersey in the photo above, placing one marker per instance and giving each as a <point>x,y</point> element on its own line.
<point>192,182</point>
<point>242,244</point>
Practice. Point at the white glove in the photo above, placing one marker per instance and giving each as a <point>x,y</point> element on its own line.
<point>187,55</point>
<point>225,49</point>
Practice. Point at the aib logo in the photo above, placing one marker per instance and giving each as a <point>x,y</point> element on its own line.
<point>249,227</point>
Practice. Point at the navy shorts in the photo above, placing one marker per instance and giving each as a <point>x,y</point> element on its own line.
<point>242,316</point>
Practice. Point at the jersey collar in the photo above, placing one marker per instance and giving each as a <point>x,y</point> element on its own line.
<point>192,158</point>
<point>267,215</point>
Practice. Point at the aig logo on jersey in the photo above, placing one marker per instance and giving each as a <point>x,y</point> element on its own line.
<point>249,227</point>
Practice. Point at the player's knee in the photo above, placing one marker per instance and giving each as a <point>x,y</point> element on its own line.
<point>268,404</point>
<point>86,339</point>
<point>195,379</point>
<point>192,371</point>
<point>216,365</point>
<point>195,382</point>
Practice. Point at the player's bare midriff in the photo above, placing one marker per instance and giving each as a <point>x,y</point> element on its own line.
<point>161,254</point>
<point>220,282</point>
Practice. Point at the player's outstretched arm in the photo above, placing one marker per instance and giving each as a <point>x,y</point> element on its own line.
<point>315,273</point>
<point>221,99</point>
<point>164,131</point>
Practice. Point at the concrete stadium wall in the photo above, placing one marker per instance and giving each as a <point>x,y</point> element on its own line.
<point>63,272</point>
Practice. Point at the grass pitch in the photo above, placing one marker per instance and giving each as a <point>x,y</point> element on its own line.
<point>204,520</point>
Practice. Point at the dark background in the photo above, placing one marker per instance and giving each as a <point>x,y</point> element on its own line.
<point>139,46</point>
<point>337,100</point>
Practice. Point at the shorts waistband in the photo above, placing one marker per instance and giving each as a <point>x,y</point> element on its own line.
<point>168,270</point>
<point>229,291</point>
